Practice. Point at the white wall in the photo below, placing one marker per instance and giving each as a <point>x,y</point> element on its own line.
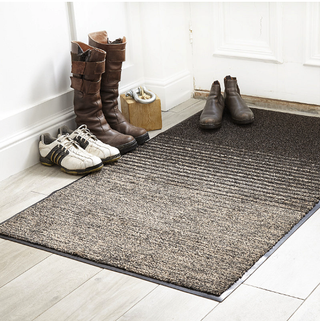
<point>35,94</point>
<point>166,51</point>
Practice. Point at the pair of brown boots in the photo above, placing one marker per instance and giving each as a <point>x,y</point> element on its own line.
<point>211,116</point>
<point>96,70</point>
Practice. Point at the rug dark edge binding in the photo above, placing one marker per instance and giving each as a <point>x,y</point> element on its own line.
<point>220,298</point>
<point>111,268</point>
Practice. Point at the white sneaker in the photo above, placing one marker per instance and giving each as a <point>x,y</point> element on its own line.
<point>91,143</point>
<point>67,154</point>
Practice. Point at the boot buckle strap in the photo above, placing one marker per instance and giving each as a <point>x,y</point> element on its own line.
<point>88,68</point>
<point>85,86</point>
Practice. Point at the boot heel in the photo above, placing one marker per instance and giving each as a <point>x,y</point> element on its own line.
<point>46,162</point>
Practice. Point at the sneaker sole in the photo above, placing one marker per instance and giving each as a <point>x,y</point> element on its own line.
<point>88,170</point>
<point>111,159</point>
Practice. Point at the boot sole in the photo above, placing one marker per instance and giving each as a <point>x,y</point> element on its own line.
<point>88,170</point>
<point>128,147</point>
<point>111,159</point>
<point>242,122</point>
<point>210,126</point>
<point>142,139</point>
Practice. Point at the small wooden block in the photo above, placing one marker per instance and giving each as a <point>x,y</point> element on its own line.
<point>147,116</point>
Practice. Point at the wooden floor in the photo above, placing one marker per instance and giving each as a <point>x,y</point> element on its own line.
<point>37,285</point>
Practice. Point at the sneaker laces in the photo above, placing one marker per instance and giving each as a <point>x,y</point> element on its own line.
<point>84,132</point>
<point>67,142</point>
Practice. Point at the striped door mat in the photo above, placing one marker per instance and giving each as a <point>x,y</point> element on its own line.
<point>191,209</point>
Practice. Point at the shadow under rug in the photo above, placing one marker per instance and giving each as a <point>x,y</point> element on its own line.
<point>192,209</point>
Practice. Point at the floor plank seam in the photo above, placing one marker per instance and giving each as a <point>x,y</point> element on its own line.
<point>39,193</point>
<point>67,294</point>
<point>137,302</point>
<point>31,267</point>
<point>211,311</point>
<point>295,311</point>
<point>284,294</point>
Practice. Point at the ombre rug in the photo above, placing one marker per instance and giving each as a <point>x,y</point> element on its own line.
<point>191,209</point>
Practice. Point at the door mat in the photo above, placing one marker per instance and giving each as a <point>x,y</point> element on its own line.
<point>191,209</point>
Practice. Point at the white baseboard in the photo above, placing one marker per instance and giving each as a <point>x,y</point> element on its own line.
<point>123,89</point>
<point>173,90</point>
<point>20,132</point>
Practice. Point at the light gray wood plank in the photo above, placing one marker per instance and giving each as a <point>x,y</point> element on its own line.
<point>252,304</point>
<point>187,104</point>
<point>29,187</point>
<point>310,309</point>
<point>171,118</point>
<point>294,268</point>
<point>22,201</point>
<point>106,296</point>
<point>168,304</point>
<point>36,290</point>
<point>15,259</point>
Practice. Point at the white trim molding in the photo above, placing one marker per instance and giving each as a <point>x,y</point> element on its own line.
<point>20,132</point>
<point>268,48</point>
<point>172,90</point>
<point>312,36</point>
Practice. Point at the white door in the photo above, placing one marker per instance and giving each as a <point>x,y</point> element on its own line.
<point>272,48</point>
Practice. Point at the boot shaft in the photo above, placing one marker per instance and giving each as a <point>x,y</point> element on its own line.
<point>115,56</point>
<point>231,85</point>
<point>215,91</point>
<point>109,92</point>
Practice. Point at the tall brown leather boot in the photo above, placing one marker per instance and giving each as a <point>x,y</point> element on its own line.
<point>88,64</point>
<point>240,112</point>
<point>211,116</point>
<point>109,85</point>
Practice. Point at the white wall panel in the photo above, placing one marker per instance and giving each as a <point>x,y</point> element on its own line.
<point>248,30</point>
<point>35,95</point>
<point>312,35</point>
<point>166,48</point>
<point>33,60</point>
<point>118,19</point>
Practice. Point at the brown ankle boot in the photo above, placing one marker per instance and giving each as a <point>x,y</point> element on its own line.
<point>211,115</point>
<point>109,85</point>
<point>88,64</point>
<point>240,112</point>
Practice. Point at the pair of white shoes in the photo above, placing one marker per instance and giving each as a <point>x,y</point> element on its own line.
<point>76,151</point>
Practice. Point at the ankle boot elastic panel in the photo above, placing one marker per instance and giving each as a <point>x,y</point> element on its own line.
<point>240,112</point>
<point>110,82</point>
<point>211,116</point>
